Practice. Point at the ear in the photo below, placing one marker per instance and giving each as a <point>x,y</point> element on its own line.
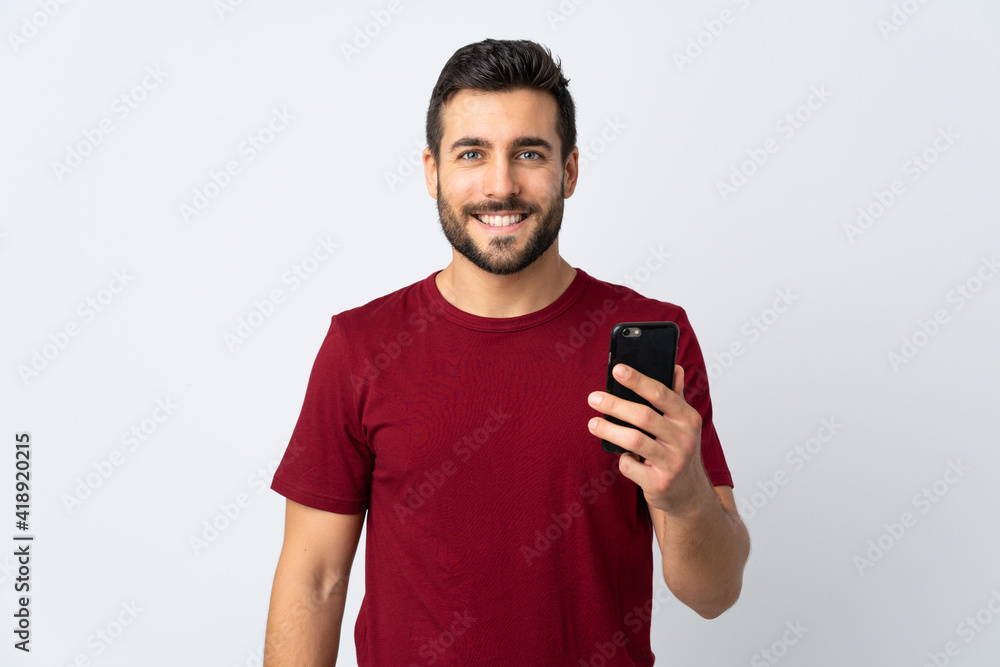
<point>571,171</point>
<point>430,173</point>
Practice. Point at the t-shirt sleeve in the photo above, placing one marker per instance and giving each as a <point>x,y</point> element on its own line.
<point>328,463</point>
<point>697,395</point>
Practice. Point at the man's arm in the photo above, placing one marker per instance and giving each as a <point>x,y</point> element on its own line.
<point>704,553</point>
<point>703,541</point>
<point>310,587</point>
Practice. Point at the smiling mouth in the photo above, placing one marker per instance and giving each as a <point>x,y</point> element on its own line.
<point>500,220</point>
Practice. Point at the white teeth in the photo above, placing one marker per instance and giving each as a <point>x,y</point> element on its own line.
<point>501,221</point>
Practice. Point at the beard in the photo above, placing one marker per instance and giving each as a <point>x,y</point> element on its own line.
<point>500,256</point>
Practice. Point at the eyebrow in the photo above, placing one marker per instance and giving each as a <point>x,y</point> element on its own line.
<point>520,142</point>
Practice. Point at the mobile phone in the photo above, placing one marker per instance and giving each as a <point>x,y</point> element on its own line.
<point>651,349</point>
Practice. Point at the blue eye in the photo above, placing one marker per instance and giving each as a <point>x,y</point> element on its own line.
<point>464,155</point>
<point>527,153</point>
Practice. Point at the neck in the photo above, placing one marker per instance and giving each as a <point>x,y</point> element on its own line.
<point>469,288</point>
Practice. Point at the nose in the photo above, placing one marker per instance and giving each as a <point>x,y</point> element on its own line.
<point>500,180</point>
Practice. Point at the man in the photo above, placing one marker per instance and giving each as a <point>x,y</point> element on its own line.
<point>461,412</point>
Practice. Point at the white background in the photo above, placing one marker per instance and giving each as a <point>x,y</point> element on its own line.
<point>672,132</point>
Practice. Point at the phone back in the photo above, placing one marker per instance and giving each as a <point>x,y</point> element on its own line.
<point>648,347</point>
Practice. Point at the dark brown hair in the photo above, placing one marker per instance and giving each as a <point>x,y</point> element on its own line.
<point>503,66</point>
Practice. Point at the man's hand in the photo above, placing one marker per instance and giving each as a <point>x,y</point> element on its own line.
<point>670,469</point>
<point>703,541</point>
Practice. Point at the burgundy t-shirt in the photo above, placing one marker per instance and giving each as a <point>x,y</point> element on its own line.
<point>499,532</point>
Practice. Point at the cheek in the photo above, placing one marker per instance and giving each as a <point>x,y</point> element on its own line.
<point>460,192</point>
<point>550,189</point>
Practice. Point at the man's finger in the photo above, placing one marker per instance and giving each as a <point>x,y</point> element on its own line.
<point>626,437</point>
<point>635,468</point>
<point>650,389</point>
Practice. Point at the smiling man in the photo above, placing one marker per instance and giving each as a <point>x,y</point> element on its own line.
<point>460,413</point>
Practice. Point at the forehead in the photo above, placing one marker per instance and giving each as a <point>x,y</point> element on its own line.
<point>499,115</point>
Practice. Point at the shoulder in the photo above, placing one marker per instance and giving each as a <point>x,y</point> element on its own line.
<point>624,303</point>
<point>391,309</point>
<point>631,305</point>
<point>357,333</point>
